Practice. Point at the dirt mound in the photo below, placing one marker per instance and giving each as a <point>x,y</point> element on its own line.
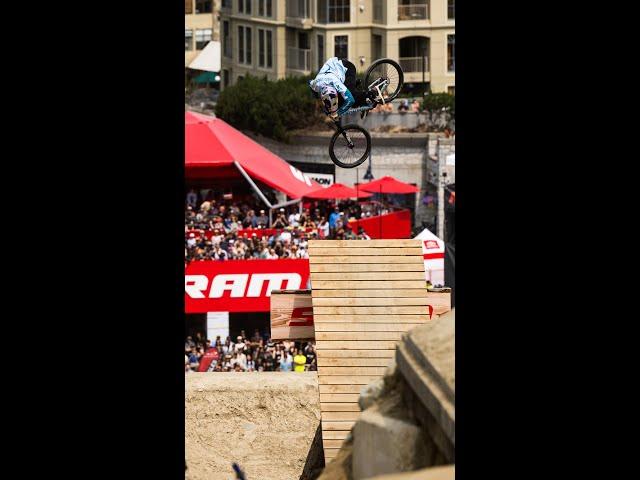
<point>264,421</point>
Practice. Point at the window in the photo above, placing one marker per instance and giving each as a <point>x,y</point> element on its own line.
<point>188,40</point>
<point>451,89</point>
<point>225,78</point>
<point>188,7</point>
<point>244,6</point>
<point>204,6</point>
<point>261,46</point>
<point>269,49</point>
<point>377,11</point>
<point>226,4</point>
<point>265,8</point>
<point>341,43</point>
<point>334,11</point>
<point>320,51</point>
<point>376,47</point>
<point>451,53</point>
<point>451,9</point>
<point>226,40</point>
<point>244,45</point>
<point>265,48</point>
<point>202,38</point>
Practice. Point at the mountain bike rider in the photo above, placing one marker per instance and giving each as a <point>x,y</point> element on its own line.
<point>336,85</point>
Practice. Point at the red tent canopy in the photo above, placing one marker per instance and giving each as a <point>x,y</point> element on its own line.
<point>388,185</point>
<point>337,190</point>
<point>212,146</point>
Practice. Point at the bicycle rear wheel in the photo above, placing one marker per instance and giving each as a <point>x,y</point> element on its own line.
<point>350,147</point>
<point>385,69</point>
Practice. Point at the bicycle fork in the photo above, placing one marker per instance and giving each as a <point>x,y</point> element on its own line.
<point>344,134</point>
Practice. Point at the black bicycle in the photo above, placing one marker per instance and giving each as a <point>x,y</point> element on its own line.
<point>351,144</point>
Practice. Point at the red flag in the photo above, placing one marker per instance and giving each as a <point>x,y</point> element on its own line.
<point>210,356</point>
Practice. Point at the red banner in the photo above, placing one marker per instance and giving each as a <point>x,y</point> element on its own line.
<point>240,285</point>
<point>208,358</point>
<point>390,226</point>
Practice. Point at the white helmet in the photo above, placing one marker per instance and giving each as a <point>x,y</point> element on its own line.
<point>329,97</point>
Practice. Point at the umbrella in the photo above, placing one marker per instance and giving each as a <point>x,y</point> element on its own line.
<point>388,185</point>
<point>337,190</point>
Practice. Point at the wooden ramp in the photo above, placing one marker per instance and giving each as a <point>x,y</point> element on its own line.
<point>365,294</point>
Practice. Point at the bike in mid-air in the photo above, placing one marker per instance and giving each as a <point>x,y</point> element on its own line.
<point>351,144</point>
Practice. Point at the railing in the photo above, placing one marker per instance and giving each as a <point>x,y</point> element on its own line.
<point>298,59</point>
<point>414,64</point>
<point>413,12</point>
<point>298,8</point>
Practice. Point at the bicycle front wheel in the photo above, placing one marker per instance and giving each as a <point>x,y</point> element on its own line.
<point>350,147</point>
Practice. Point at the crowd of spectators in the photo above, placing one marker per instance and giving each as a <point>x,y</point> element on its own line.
<point>218,229</point>
<point>256,354</point>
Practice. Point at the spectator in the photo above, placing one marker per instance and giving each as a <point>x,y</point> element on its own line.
<point>323,228</point>
<point>333,218</point>
<point>262,221</point>
<point>192,198</point>
<point>404,106</point>
<point>286,363</point>
<point>415,106</point>
<point>294,218</point>
<point>280,221</point>
<point>299,360</point>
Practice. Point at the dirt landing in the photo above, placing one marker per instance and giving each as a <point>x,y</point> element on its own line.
<point>264,421</point>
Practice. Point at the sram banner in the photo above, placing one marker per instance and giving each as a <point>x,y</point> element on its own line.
<point>240,285</point>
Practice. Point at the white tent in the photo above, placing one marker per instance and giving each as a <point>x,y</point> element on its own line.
<point>208,59</point>
<point>433,251</point>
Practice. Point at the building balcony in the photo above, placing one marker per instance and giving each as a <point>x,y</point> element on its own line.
<point>413,12</point>
<point>299,59</point>
<point>299,14</point>
<point>414,64</point>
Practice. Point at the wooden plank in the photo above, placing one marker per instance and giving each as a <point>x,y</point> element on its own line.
<point>369,318</point>
<point>393,243</point>
<point>359,353</point>
<point>364,251</point>
<point>374,293</point>
<point>380,266</point>
<point>379,310</point>
<point>370,276</point>
<point>329,443</point>
<point>330,454</point>
<point>335,435</point>
<point>364,284</point>
<point>354,345</point>
<point>367,259</point>
<point>340,416</point>
<point>351,371</point>
<point>358,336</point>
<point>353,362</point>
<point>339,397</point>
<point>363,327</point>
<point>369,301</point>
<point>346,379</point>
<point>340,388</point>
<point>339,407</point>
<point>333,426</point>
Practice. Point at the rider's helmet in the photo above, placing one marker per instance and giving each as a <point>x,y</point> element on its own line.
<point>329,97</point>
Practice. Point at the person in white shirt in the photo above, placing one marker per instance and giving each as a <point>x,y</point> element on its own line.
<point>294,219</point>
<point>191,242</point>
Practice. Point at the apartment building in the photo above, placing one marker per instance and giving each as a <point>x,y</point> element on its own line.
<point>278,38</point>
<point>201,25</point>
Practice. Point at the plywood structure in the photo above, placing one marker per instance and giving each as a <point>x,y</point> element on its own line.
<point>365,295</point>
<point>291,315</point>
